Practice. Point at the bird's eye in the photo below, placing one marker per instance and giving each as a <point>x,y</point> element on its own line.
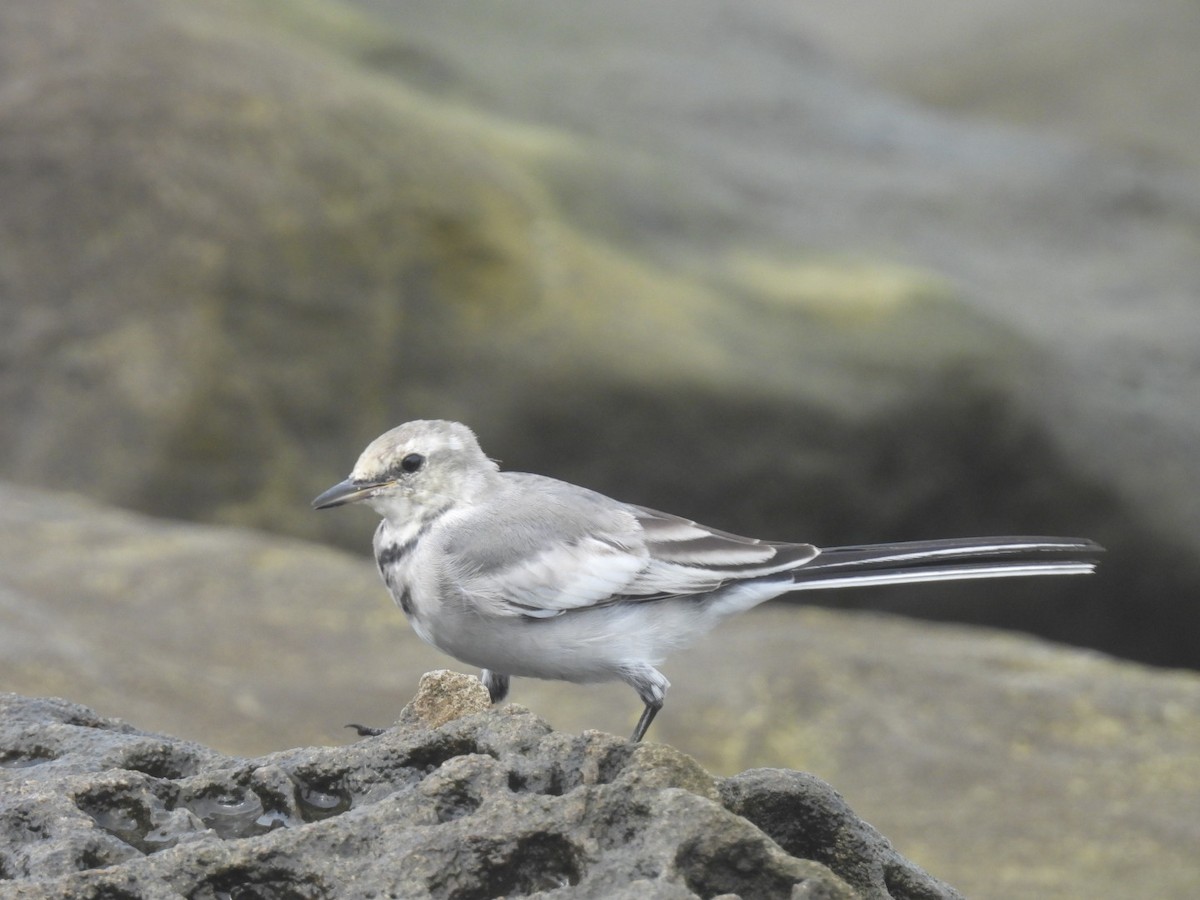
<point>412,462</point>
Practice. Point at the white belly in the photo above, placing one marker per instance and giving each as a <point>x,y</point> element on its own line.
<point>581,646</point>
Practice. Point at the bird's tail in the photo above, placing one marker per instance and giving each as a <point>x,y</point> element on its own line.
<point>946,560</point>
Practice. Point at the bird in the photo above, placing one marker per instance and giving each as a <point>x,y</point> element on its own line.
<point>526,575</point>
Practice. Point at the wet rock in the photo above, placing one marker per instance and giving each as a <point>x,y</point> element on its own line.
<point>488,804</point>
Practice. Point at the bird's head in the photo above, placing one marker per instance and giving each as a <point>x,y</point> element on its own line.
<point>424,464</point>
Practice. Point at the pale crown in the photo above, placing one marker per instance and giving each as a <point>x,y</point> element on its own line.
<point>424,463</point>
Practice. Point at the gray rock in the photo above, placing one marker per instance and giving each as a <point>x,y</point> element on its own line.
<point>487,805</point>
<point>1080,68</point>
<point>792,807</point>
<point>774,144</point>
<point>297,247</point>
<point>1077,772</point>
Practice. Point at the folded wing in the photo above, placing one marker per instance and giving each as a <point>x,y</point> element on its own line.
<point>641,555</point>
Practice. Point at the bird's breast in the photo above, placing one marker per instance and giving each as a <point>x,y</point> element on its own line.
<point>399,549</point>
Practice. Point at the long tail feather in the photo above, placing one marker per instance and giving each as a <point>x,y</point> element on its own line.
<point>948,560</point>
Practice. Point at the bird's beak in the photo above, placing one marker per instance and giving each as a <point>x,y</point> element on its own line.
<point>347,491</point>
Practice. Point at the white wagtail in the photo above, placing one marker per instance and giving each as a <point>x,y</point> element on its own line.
<point>526,575</point>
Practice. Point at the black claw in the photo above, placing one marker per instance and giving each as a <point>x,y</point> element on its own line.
<point>366,730</point>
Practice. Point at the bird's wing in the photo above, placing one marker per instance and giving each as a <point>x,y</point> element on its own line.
<point>587,550</point>
<point>561,576</point>
<point>687,557</point>
<point>545,547</point>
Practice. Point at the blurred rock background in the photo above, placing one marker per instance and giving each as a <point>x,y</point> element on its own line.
<point>802,271</point>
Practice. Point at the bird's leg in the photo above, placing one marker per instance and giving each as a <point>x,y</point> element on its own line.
<point>496,684</point>
<point>648,715</point>
<point>651,686</point>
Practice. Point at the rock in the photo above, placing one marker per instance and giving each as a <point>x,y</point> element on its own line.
<point>443,696</point>
<point>1077,772</point>
<point>346,203</point>
<point>763,143</point>
<point>315,231</point>
<point>792,807</point>
<point>1082,71</point>
<point>227,635</point>
<point>486,805</point>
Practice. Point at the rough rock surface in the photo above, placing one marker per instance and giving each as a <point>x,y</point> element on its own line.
<point>488,805</point>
